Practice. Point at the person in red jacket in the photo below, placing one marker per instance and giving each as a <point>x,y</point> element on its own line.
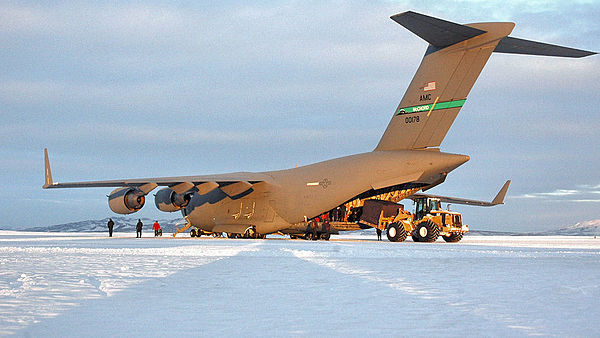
<point>156,228</point>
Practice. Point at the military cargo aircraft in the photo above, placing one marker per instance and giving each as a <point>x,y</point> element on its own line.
<point>406,160</point>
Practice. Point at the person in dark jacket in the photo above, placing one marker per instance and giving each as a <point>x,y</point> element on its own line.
<point>378,234</point>
<point>110,224</point>
<point>138,228</point>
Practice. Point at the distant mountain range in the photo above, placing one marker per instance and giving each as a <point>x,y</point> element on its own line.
<point>122,224</point>
<point>587,228</point>
<point>127,224</point>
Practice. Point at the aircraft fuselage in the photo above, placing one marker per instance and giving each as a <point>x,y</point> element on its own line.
<point>289,197</point>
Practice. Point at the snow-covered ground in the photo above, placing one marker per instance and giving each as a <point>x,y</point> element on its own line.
<point>84,284</point>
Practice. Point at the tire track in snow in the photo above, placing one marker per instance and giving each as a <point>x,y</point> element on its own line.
<point>400,284</point>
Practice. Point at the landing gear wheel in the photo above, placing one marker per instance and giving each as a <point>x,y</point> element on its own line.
<point>426,231</point>
<point>325,236</point>
<point>454,237</point>
<point>396,232</point>
<point>193,233</point>
<point>293,237</point>
<point>231,235</point>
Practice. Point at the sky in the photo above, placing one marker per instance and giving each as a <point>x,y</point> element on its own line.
<point>126,89</point>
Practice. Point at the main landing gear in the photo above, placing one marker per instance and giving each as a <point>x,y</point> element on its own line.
<point>313,236</point>
<point>250,233</point>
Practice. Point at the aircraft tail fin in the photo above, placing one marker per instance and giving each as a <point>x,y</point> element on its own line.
<point>451,65</point>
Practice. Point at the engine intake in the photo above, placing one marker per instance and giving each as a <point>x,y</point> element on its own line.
<point>126,200</point>
<point>168,200</point>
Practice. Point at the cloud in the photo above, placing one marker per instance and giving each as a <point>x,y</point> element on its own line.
<point>145,21</point>
<point>159,88</point>
<point>66,202</point>
<point>583,194</point>
<point>173,135</point>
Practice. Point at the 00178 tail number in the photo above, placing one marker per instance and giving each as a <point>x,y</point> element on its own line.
<point>411,119</point>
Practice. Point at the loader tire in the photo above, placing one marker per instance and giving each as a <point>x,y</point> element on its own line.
<point>454,237</point>
<point>396,232</point>
<point>426,231</point>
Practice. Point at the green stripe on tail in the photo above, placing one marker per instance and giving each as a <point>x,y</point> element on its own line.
<point>427,107</point>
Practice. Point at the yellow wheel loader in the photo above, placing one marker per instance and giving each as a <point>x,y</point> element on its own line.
<point>427,223</point>
<point>431,221</point>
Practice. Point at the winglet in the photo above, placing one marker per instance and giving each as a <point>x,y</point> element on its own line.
<point>499,199</point>
<point>48,174</point>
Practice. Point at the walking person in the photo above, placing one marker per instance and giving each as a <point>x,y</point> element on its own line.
<point>110,225</point>
<point>378,234</point>
<point>138,228</point>
<point>156,228</point>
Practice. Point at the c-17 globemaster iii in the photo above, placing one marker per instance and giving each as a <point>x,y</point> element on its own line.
<point>406,160</point>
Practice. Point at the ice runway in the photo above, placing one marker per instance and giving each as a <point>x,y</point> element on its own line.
<point>90,285</point>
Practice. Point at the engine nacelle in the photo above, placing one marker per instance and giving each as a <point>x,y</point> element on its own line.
<point>126,200</point>
<point>168,200</point>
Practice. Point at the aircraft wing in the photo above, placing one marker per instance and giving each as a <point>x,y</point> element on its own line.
<point>234,181</point>
<point>499,199</point>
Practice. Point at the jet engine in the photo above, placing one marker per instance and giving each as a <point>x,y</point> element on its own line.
<point>126,200</point>
<point>168,200</point>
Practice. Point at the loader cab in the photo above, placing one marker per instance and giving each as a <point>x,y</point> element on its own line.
<point>433,207</point>
<point>424,205</point>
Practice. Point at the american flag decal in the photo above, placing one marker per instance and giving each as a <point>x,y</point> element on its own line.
<point>429,86</point>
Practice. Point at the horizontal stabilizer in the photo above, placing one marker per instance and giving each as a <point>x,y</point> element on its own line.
<point>439,33</point>
<point>499,199</point>
<point>521,46</point>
